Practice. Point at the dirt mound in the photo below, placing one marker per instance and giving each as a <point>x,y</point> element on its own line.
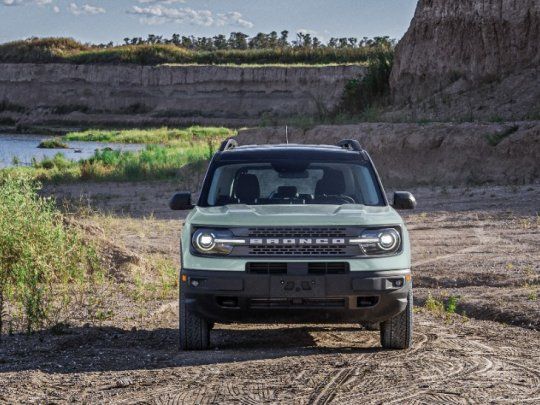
<point>470,60</point>
<point>432,154</point>
<point>117,261</point>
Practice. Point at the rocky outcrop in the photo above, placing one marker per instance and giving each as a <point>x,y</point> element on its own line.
<point>470,59</point>
<point>431,154</point>
<point>171,92</point>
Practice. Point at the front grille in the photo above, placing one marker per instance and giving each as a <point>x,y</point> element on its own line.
<point>297,232</point>
<point>300,250</point>
<point>314,268</point>
<point>297,303</point>
<point>266,268</point>
<point>328,268</point>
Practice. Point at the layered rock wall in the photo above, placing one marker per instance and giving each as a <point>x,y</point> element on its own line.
<point>175,91</point>
<point>477,57</point>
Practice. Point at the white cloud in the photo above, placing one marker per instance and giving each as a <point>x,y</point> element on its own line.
<point>85,9</point>
<point>56,9</point>
<point>234,18</point>
<point>23,2</point>
<point>159,14</point>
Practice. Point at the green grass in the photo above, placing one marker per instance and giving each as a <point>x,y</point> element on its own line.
<point>52,144</point>
<point>440,307</point>
<point>162,135</point>
<point>66,50</point>
<point>42,262</point>
<point>166,152</point>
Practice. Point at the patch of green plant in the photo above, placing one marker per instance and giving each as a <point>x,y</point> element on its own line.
<point>441,307</point>
<point>166,152</point>
<point>496,138</point>
<point>54,143</point>
<point>42,262</point>
<point>451,304</point>
<point>164,135</point>
<point>434,305</point>
<point>218,50</point>
<point>371,90</point>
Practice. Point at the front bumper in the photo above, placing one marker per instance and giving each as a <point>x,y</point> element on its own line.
<point>233,296</point>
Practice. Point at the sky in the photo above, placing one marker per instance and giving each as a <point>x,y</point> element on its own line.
<point>101,21</point>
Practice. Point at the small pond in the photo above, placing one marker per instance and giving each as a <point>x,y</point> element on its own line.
<point>22,148</point>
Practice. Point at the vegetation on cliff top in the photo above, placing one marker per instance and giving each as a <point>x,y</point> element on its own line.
<point>237,49</point>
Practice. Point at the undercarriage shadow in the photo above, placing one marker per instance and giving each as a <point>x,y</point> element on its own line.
<point>91,349</point>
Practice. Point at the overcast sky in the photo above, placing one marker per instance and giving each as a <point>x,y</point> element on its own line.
<point>112,20</point>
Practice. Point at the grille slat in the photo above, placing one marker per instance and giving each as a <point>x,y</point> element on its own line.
<point>297,232</point>
<point>313,268</point>
<point>305,302</point>
<point>266,268</point>
<point>300,250</point>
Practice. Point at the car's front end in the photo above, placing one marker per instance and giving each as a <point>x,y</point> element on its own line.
<point>296,263</point>
<point>293,234</point>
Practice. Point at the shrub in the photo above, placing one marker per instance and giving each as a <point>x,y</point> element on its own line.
<point>52,144</point>
<point>41,260</point>
<point>40,50</point>
<point>371,90</point>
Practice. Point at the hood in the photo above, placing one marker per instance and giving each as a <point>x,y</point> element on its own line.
<point>294,215</point>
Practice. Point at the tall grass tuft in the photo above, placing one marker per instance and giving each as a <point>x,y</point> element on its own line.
<point>41,260</point>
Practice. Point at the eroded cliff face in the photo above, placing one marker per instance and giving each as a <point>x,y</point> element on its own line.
<point>431,154</point>
<point>165,93</point>
<point>470,58</point>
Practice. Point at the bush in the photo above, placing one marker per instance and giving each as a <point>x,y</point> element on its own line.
<point>52,144</point>
<point>39,50</point>
<point>41,260</point>
<point>371,90</point>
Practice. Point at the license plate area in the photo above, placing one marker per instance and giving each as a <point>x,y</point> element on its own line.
<point>297,286</point>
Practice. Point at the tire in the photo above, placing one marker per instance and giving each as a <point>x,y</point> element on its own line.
<point>396,333</point>
<point>194,330</point>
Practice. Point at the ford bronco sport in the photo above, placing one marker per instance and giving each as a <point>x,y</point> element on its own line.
<point>294,233</point>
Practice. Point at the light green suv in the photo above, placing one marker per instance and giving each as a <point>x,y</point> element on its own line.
<point>294,233</point>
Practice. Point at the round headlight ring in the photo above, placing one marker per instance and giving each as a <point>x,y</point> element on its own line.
<point>388,239</point>
<point>205,241</point>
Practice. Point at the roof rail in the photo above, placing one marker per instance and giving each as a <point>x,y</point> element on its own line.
<point>351,144</point>
<point>228,144</point>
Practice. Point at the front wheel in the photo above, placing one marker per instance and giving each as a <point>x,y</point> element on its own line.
<point>396,333</point>
<point>194,330</point>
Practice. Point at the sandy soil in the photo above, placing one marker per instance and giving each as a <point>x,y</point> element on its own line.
<point>480,245</point>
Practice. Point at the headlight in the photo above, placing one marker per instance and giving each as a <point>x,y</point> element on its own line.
<point>213,241</point>
<point>377,242</point>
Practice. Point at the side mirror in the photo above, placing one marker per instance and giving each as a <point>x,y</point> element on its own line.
<point>181,201</point>
<point>403,200</point>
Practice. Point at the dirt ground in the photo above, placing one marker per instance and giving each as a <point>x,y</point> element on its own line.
<point>477,246</point>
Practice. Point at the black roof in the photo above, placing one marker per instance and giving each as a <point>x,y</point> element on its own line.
<point>290,151</point>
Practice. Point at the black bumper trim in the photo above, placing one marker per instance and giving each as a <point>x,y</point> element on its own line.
<point>237,296</point>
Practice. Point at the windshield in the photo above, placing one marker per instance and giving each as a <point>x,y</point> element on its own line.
<point>292,182</point>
